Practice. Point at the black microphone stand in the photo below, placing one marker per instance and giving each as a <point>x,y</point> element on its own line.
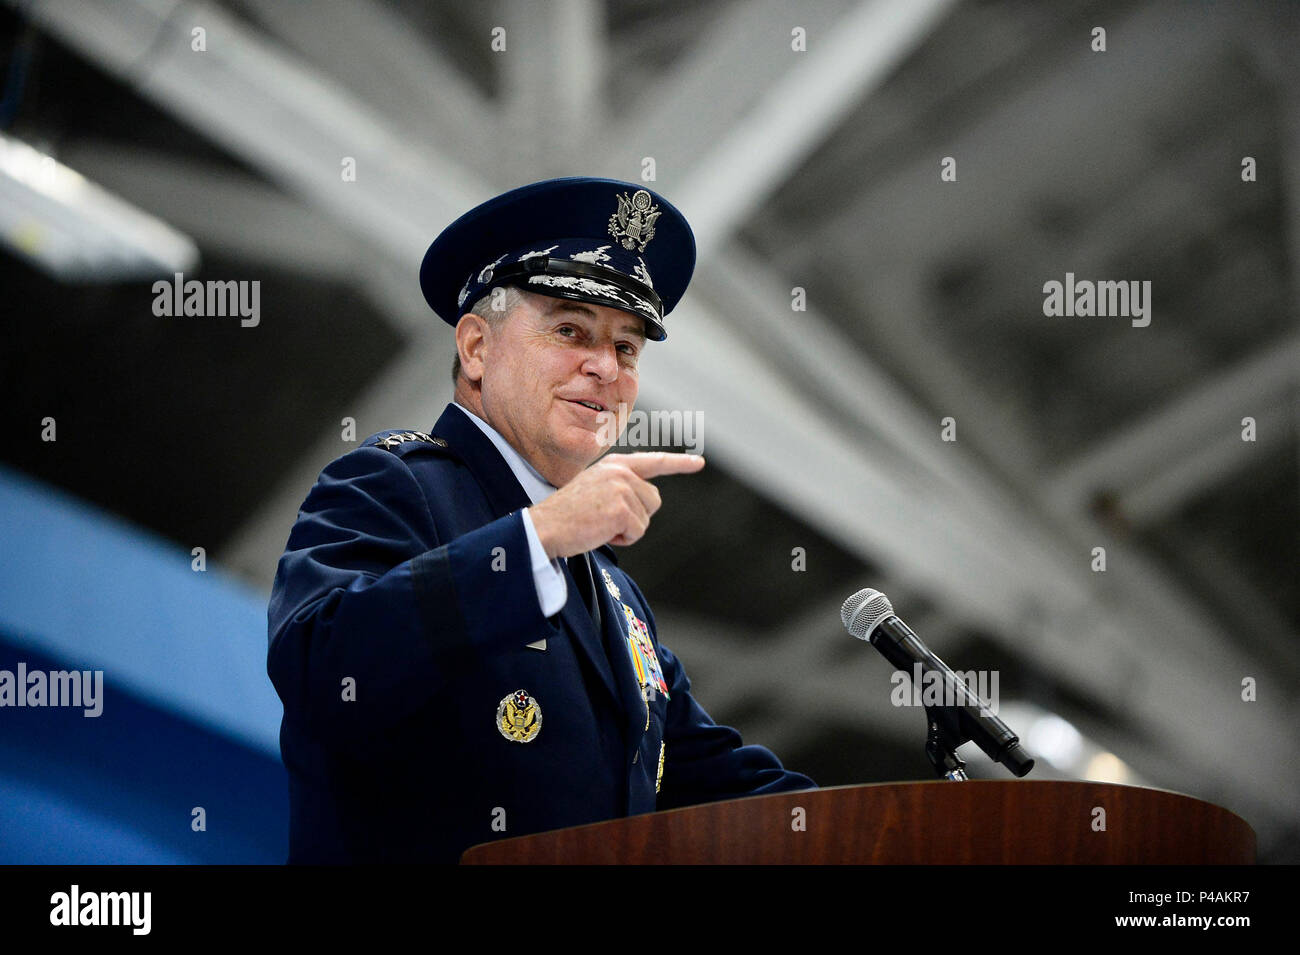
<point>941,744</point>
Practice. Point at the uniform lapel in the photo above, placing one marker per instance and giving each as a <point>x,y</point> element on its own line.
<point>494,476</point>
<point>575,615</point>
<point>505,495</point>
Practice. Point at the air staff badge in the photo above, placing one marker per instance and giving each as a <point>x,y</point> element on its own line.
<point>519,717</point>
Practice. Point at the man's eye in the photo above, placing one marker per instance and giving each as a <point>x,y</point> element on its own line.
<point>629,350</point>
<point>567,330</point>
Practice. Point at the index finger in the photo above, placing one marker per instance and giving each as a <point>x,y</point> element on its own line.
<point>648,464</point>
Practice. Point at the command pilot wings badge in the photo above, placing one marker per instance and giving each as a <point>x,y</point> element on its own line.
<point>634,223</point>
<point>519,717</point>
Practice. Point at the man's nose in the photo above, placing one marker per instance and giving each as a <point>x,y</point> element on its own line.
<point>602,362</point>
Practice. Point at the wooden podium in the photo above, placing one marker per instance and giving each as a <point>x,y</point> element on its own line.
<point>981,822</point>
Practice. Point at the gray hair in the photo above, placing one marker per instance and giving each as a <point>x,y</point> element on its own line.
<point>492,310</point>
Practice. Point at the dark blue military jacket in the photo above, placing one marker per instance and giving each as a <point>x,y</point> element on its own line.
<point>401,618</point>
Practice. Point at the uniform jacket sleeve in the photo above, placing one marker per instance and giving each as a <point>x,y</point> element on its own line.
<point>705,761</point>
<point>367,591</point>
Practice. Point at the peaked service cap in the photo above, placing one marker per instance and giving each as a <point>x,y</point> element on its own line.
<point>601,241</point>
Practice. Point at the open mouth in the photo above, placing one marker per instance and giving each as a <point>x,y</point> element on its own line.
<point>593,405</point>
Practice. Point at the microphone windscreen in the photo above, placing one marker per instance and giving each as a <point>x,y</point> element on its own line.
<point>863,612</point>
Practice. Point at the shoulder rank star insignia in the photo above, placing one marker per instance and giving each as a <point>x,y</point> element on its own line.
<point>519,717</point>
<point>634,222</point>
<point>401,437</point>
<point>609,583</point>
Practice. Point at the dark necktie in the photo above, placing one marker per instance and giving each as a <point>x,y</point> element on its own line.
<point>580,568</point>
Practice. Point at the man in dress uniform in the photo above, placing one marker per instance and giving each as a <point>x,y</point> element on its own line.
<point>459,656</point>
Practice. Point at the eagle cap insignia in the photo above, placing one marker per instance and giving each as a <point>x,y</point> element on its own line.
<point>519,717</point>
<point>634,222</point>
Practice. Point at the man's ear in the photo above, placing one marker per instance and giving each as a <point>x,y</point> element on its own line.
<point>471,341</point>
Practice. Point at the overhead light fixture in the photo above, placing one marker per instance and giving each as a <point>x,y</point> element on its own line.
<point>77,231</point>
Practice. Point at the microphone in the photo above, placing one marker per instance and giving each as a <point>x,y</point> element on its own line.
<point>868,615</point>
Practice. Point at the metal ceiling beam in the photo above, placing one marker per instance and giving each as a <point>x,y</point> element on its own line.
<point>725,74</point>
<point>1219,457</point>
<point>729,678</point>
<point>1010,159</point>
<point>226,212</point>
<point>1269,33</point>
<point>893,219</point>
<point>746,138</point>
<point>275,112</point>
<point>551,72</point>
<point>1134,217</point>
<point>252,221</point>
<point>295,125</point>
<point>1147,460</point>
<point>774,436</point>
<point>378,55</point>
<point>804,652</point>
<point>898,296</point>
<point>783,108</point>
<point>1257,623</point>
<point>809,348</point>
<point>761,150</point>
